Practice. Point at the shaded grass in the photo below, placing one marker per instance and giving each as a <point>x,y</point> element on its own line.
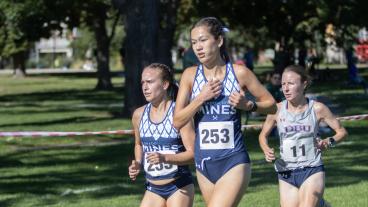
<point>55,103</point>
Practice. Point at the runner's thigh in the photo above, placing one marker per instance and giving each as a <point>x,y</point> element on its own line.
<point>312,189</point>
<point>152,200</point>
<point>205,186</point>
<point>230,188</point>
<point>182,197</point>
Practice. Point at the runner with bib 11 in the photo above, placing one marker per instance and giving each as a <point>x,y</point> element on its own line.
<point>300,170</point>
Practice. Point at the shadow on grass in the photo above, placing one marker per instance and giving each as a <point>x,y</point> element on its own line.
<point>89,100</point>
<point>70,174</point>
<point>86,95</point>
<point>7,202</point>
<point>93,172</point>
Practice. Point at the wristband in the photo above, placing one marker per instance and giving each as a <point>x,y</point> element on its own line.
<point>254,107</point>
<point>331,142</point>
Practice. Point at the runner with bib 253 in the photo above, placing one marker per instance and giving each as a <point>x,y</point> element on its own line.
<point>213,95</point>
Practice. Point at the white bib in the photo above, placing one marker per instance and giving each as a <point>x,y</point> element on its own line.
<point>300,150</point>
<point>159,169</point>
<point>216,135</point>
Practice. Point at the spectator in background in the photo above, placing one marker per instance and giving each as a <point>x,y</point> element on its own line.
<point>189,58</point>
<point>312,62</point>
<point>302,56</point>
<point>274,86</point>
<point>249,58</point>
<point>354,77</point>
<point>282,59</point>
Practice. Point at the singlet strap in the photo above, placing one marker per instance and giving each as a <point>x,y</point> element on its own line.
<point>166,116</point>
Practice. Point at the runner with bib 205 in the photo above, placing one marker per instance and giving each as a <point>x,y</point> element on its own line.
<point>162,151</point>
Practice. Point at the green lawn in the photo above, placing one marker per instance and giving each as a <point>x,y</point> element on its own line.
<point>92,171</point>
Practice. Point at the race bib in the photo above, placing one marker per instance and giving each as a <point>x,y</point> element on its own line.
<point>159,169</point>
<point>298,150</point>
<point>216,135</point>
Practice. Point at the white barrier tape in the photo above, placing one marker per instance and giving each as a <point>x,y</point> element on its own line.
<point>355,117</point>
<point>344,118</point>
<point>130,132</point>
<point>254,126</point>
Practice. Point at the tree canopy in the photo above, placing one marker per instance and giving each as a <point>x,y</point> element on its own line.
<point>152,26</point>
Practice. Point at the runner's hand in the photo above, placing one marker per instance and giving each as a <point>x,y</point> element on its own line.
<point>155,158</point>
<point>322,144</point>
<point>134,169</point>
<point>239,101</point>
<point>269,154</point>
<point>210,90</point>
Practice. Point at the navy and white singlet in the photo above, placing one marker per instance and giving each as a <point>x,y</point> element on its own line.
<point>163,138</point>
<point>217,123</point>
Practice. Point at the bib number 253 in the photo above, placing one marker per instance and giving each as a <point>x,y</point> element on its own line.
<point>216,135</point>
<point>213,136</point>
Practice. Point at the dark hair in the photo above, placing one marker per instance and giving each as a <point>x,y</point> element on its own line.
<point>272,73</point>
<point>167,74</point>
<point>301,71</point>
<point>217,29</point>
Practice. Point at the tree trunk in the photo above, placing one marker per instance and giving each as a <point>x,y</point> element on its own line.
<point>167,23</point>
<point>140,49</point>
<point>19,63</point>
<point>102,52</point>
<point>149,38</point>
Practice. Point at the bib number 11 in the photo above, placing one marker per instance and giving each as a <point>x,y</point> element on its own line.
<point>298,150</point>
<point>302,149</point>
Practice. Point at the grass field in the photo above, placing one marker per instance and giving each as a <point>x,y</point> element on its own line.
<point>92,171</point>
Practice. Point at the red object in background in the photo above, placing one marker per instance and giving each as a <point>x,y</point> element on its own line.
<point>240,62</point>
<point>361,52</point>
